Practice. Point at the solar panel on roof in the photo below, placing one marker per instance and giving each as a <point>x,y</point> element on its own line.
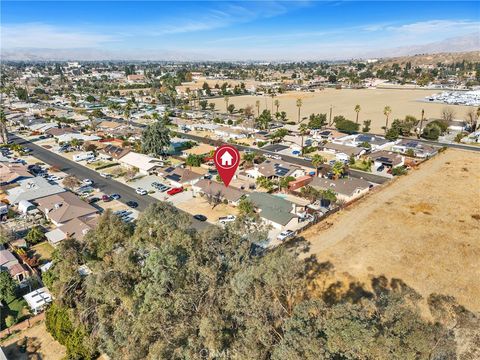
<point>174,177</point>
<point>170,169</point>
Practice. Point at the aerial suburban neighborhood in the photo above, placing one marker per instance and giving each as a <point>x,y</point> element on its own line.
<point>356,196</point>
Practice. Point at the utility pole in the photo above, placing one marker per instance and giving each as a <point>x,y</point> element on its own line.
<point>330,118</point>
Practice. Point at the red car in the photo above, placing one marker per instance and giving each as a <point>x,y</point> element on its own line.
<point>175,191</point>
<point>106,198</point>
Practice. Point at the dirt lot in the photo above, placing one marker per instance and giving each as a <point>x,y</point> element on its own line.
<point>46,346</point>
<point>372,102</point>
<point>423,228</point>
<point>199,205</point>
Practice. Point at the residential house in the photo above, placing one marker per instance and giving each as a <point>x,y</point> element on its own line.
<point>347,189</point>
<point>13,172</point>
<point>67,137</point>
<point>274,169</point>
<point>376,142</point>
<point>76,228</point>
<point>17,271</point>
<point>275,211</point>
<point>419,149</point>
<point>146,164</point>
<point>38,299</point>
<point>342,152</point>
<point>228,133</point>
<point>115,152</point>
<point>56,131</point>
<point>180,176</point>
<point>63,207</point>
<point>213,188</point>
<point>32,189</point>
<point>387,158</point>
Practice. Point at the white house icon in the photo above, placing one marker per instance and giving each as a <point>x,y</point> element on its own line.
<point>226,159</point>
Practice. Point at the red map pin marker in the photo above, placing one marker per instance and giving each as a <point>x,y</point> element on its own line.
<point>226,159</point>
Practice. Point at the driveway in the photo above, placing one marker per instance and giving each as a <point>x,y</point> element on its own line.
<point>105,185</point>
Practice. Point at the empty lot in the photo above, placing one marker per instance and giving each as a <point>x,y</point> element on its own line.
<point>423,228</point>
<point>372,102</point>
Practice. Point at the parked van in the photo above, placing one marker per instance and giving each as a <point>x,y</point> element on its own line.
<point>89,155</point>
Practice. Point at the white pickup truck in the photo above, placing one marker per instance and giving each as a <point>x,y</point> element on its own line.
<point>226,219</point>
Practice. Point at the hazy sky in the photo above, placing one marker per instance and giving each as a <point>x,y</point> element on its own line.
<point>232,30</point>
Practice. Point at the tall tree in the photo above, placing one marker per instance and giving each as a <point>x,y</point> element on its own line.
<point>226,99</point>
<point>257,105</point>
<point>299,104</point>
<point>3,127</point>
<point>303,130</point>
<point>156,139</point>
<point>357,110</point>
<point>387,110</point>
<point>277,105</point>
<point>317,161</point>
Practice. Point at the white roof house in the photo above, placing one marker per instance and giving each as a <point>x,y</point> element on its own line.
<point>38,299</point>
<point>70,136</point>
<point>143,162</point>
<point>31,189</point>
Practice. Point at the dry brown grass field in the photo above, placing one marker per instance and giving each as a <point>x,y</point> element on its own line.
<point>372,102</point>
<point>423,228</point>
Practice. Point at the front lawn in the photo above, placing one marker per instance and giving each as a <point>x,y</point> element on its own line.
<point>363,165</point>
<point>15,306</point>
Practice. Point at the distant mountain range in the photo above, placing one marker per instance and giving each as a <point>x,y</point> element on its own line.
<point>467,43</point>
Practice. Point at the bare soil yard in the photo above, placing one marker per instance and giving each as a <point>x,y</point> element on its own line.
<point>40,343</point>
<point>423,228</point>
<point>372,102</point>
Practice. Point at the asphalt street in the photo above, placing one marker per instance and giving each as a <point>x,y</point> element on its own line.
<point>106,185</point>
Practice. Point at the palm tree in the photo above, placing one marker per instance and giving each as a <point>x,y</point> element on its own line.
<point>126,112</point>
<point>357,110</point>
<point>304,130</point>
<point>387,110</point>
<point>227,99</point>
<point>421,124</point>
<point>277,104</point>
<point>257,105</point>
<point>299,106</point>
<point>338,169</point>
<point>318,160</point>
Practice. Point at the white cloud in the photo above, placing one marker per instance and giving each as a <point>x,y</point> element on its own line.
<point>435,26</point>
<point>38,35</point>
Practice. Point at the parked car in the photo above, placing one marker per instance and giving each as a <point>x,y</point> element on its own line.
<point>175,191</point>
<point>106,198</point>
<point>276,157</point>
<point>285,235</point>
<point>87,182</point>
<point>381,168</point>
<point>115,196</point>
<point>141,191</point>
<point>93,200</point>
<point>132,204</point>
<point>226,219</point>
<point>200,217</point>
<point>105,175</point>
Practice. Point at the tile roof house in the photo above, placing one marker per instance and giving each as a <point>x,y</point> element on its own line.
<point>60,208</point>
<point>32,189</point>
<point>342,152</point>
<point>76,228</point>
<point>116,152</point>
<point>274,210</point>
<point>9,263</point>
<point>347,189</point>
<point>213,188</point>
<point>56,131</point>
<point>179,176</point>
<point>10,173</point>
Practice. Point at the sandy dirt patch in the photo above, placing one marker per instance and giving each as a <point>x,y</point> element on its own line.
<point>199,205</point>
<point>372,102</point>
<point>48,348</point>
<point>423,228</point>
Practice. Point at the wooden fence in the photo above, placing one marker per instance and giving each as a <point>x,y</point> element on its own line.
<point>22,325</point>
